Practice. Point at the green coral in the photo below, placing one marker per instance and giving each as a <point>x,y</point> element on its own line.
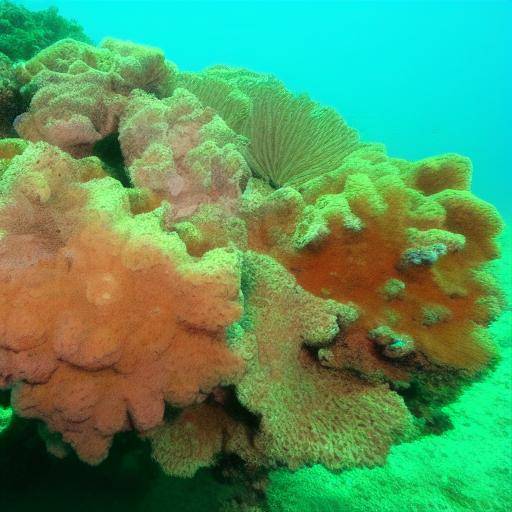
<point>23,33</point>
<point>347,422</point>
<point>5,418</point>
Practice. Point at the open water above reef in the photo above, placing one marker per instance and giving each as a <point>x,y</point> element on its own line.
<point>423,78</point>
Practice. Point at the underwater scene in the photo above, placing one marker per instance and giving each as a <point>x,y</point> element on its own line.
<point>255,256</point>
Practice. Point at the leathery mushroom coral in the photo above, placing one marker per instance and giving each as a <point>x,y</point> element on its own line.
<point>105,317</point>
<point>287,293</point>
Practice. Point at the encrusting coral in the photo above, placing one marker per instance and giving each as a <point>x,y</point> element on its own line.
<point>264,286</point>
<point>182,152</point>
<point>346,421</point>
<point>408,257</point>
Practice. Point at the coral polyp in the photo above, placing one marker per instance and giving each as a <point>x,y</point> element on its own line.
<point>260,284</point>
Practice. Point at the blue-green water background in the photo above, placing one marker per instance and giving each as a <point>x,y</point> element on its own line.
<point>422,77</point>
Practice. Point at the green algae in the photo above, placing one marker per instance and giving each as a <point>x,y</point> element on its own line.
<point>23,33</point>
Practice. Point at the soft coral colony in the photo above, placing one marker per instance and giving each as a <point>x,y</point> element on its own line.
<point>225,268</point>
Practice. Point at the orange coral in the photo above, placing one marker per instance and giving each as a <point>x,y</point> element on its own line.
<point>118,319</point>
<point>297,316</point>
<point>407,259</point>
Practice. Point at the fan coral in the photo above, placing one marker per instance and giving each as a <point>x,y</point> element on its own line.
<point>291,138</point>
<point>262,285</point>
<point>23,33</point>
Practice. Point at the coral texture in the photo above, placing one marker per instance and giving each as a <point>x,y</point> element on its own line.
<point>467,468</point>
<point>118,315</point>
<point>10,98</point>
<point>346,421</point>
<point>291,138</point>
<point>182,152</point>
<point>258,284</point>
<point>405,242</point>
<point>79,91</point>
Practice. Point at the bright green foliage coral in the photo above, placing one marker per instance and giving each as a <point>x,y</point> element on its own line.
<point>23,33</point>
<point>5,418</point>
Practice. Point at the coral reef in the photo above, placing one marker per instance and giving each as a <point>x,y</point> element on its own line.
<point>467,468</point>
<point>259,287</point>
<point>78,92</point>
<point>92,268</point>
<point>10,97</point>
<point>368,209</point>
<point>23,32</point>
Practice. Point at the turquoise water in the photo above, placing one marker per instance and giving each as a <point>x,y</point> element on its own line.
<point>424,78</point>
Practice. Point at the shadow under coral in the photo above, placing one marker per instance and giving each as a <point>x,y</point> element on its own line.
<point>129,480</point>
